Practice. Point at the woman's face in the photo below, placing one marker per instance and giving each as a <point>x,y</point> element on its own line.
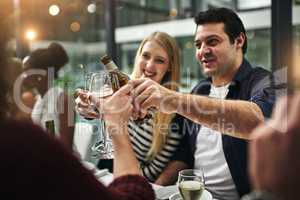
<point>153,61</point>
<point>34,78</point>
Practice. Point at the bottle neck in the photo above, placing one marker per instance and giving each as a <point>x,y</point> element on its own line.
<point>111,65</point>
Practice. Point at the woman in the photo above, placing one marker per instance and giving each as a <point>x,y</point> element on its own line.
<point>49,170</point>
<point>156,145</point>
<point>41,68</point>
<point>27,99</point>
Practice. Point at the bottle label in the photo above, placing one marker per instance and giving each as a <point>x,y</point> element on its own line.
<point>111,65</point>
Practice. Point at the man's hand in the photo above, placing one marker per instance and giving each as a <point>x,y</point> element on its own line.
<point>147,93</point>
<point>275,151</point>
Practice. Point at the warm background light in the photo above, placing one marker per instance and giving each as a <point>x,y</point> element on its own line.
<point>54,10</point>
<point>91,8</point>
<point>30,35</point>
<point>75,26</point>
<point>173,12</point>
<point>189,45</point>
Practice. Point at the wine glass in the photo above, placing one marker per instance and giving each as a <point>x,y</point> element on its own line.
<point>87,83</point>
<point>94,123</point>
<point>191,184</point>
<point>101,86</point>
<point>87,80</point>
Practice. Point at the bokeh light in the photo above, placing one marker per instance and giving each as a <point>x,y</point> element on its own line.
<point>54,10</point>
<point>75,26</point>
<point>91,8</point>
<point>173,12</point>
<point>30,34</point>
<point>188,45</point>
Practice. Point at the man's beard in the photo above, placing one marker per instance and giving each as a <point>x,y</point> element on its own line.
<point>219,71</point>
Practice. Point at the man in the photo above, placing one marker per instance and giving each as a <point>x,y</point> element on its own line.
<point>218,128</point>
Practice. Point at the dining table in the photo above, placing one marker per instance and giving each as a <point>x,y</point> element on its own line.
<point>161,192</point>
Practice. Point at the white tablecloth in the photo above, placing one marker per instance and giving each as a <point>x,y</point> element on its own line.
<point>161,192</point>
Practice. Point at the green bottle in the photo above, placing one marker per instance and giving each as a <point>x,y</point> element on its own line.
<point>50,127</point>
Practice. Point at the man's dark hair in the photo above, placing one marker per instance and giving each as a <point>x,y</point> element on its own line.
<point>233,25</point>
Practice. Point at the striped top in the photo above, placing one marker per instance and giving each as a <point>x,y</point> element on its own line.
<point>141,139</point>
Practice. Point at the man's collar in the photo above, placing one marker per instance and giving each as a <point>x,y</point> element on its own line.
<point>243,71</point>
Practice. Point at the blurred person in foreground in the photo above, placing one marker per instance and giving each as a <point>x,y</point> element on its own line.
<point>49,170</point>
<point>223,109</point>
<point>157,141</point>
<point>274,152</point>
<point>40,69</point>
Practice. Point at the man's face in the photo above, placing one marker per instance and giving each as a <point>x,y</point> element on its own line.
<point>214,51</point>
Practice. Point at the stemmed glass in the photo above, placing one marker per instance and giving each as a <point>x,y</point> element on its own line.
<point>101,87</point>
<point>94,122</point>
<point>87,80</point>
<point>191,184</point>
<point>87,83</point>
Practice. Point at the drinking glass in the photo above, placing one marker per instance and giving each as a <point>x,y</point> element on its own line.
<point>191,184</point>
<point>87,80</point>
<point>100,87</point>
<point>87,83</point>
<point>93,122</point>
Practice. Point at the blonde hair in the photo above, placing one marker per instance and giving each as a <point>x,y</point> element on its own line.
<point>170,81</point>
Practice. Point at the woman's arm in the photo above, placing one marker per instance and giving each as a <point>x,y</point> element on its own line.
<point>170,173</point>
<point>116,111</point>
<point>164,167</point>
<point>182,158</point>
<point>125,161</point>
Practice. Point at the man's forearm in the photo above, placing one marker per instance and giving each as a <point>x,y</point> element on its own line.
<point>233,117</point>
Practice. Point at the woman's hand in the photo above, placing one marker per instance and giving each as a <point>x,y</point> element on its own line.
<point>115,109</point>
<point>83,105</point>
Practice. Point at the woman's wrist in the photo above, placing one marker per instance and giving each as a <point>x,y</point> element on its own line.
<point>116,129</point>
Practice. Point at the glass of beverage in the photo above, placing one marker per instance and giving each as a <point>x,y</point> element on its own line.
<point>101,87</point>
<point>191,184</point>
<point>87,80</point>
<point>87,84</point>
